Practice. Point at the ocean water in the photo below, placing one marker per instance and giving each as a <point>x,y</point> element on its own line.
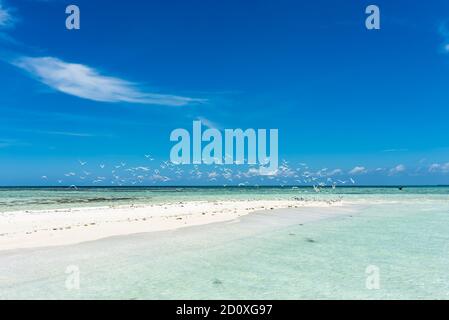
<point>404,235</point>
<point>13,199</point>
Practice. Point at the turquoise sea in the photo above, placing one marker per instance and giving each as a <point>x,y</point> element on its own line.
<point>37,198</point>
<point>404,234</point>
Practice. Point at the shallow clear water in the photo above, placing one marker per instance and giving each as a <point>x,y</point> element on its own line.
<point>262,256</point>
<point>12,199</point>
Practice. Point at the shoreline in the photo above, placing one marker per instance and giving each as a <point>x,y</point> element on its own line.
<point>58,227</point>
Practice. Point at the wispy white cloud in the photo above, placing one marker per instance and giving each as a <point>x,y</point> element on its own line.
<point>395,150</point>
<point>209,124</point>
<point>6,19</point>
<point>66,133</point>
<point>358,170</point>
<point>63,133</point>
<point>444,32</point>
<point>5,143</point>
<point>85,82</point>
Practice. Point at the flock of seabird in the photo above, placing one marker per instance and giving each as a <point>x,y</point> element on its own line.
<point>150,173</point>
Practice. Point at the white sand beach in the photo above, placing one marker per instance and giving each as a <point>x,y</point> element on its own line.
<point>56,227</point>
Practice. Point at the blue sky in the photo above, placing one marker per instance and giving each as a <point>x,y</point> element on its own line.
<point>366,105</point>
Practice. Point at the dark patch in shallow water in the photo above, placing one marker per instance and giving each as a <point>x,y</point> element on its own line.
<point>65,200</point>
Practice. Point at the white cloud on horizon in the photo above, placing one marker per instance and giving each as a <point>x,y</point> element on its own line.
<point>358,170</point>
<point>439,168</point>
<point>87,83</point>
<point>335,172</point>
<point>253,172</point>
<point>398,169</point>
